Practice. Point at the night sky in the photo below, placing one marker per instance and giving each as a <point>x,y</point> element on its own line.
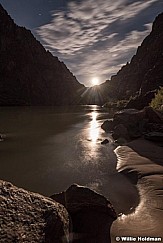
<point>94,38</point>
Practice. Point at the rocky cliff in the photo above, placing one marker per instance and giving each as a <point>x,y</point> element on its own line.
<point>30,75</point>
<point>143,74</point>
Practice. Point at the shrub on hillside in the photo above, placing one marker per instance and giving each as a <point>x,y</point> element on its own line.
<point>157,102</point>
<point>119,104</point>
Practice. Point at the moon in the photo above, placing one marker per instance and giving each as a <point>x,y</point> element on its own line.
<point>95,81</point>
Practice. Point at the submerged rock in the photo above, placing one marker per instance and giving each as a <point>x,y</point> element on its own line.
<point>30,217</point>
<point>91,213</point>
<point>105,141</point>
<point>2,137</point>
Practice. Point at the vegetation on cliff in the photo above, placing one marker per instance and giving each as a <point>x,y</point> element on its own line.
<point>157,102</point>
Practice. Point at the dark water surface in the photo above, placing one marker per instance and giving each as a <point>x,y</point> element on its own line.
<point>47,149</point>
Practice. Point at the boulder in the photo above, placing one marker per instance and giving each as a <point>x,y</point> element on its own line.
<point>120,131</point>
<point>132,123</point>
<point>108,125</point>
<point>129,116</point>
<point>30,217</point>
<point>91,213</point>
<point>153,116</point>
<point>134,120</point>
<point>127,124</point>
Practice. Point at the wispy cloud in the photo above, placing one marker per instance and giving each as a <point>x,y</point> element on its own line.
<point>90,36</point>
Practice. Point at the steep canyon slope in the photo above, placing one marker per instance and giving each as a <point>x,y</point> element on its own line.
<point>30,75</point>
<point>142,76</point>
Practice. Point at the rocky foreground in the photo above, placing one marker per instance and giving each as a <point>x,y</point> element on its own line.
<point>30,217</point>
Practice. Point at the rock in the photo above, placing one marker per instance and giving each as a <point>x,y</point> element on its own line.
<point>91,213</point>
<point>2,137</point>
<point>129,116</point>
<point>153,116</point>
<point>141,100</point>
<point>108,125</point>
<point>154,127</point>
<point>135,131</point>
<point>154,136</point>
<point>132,123</point>
<point>30,217</point>
<point>105,141</point>
<point>128,124</point>
<point>120,131</point>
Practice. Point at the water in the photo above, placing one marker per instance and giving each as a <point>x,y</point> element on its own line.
<point>48,149</point>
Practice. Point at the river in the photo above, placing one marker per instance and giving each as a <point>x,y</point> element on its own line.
<point>47,149</point>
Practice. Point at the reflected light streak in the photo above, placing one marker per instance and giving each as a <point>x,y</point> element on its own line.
<point>94,130</point>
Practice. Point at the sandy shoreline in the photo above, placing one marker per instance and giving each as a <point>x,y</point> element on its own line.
<point>142,162</point>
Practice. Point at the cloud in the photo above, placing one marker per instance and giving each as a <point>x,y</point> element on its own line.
<point>110,58</point>
<point>131,41</point>
<point>90,35</point>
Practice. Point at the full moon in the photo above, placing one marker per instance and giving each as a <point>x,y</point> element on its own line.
<point>95,81</point>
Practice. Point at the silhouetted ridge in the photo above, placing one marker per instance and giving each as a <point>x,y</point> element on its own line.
<point>30,75</point>
<point>143,75</point>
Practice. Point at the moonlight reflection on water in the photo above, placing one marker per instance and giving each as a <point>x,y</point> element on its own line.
<point>54,148</point>
<point>94,129</point>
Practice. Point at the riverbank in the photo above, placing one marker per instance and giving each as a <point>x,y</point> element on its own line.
<point>141,161</point>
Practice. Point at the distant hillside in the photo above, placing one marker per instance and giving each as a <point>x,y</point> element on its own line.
<point>141,76</point>
<point>30,75</point>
